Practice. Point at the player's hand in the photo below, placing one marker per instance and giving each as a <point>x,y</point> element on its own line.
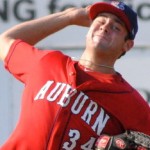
<point>79,16</point>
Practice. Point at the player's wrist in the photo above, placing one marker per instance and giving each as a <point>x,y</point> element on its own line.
<point>78,16</point>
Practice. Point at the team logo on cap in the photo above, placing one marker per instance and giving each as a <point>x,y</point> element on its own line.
<point>119,5</point>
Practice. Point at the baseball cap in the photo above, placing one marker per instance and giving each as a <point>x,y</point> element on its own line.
<point>121,10</point>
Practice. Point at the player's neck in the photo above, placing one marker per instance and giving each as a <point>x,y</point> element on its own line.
<point>88,64</point>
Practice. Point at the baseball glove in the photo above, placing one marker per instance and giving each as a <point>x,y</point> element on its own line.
<point>130,140</point>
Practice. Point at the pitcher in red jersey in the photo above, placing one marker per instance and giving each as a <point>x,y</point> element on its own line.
<point>67,104</point>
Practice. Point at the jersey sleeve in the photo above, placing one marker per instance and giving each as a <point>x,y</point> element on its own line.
<point>21,58</point>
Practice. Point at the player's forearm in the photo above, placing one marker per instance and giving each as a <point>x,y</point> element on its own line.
<point>32,31</point>
<point>36,30</point>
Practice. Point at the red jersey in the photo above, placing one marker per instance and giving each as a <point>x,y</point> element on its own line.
<point>64,107</point>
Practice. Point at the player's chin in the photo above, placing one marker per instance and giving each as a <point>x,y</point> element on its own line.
<point>102,46</point>
<point>97,41</point>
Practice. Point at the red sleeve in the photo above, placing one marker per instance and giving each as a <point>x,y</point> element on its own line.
<point>21,58</point>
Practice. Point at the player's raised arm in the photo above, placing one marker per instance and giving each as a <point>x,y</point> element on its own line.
<point>35,30</point>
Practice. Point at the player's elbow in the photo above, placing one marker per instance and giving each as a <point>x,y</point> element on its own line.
<point>5,43</point>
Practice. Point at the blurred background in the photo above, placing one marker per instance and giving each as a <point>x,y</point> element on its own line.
<point>134,66</point>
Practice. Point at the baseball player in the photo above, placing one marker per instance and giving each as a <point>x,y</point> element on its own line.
<point>68,104</point>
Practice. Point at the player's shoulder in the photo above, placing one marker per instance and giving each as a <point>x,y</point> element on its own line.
<point>54,54</point>
<point>134,95</point>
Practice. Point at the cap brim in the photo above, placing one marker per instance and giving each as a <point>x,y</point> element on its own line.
<point>106,7</point>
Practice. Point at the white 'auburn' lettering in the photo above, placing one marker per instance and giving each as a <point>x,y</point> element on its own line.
<point>67,92</point>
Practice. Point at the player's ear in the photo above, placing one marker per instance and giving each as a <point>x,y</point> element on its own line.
<point>128,45</point>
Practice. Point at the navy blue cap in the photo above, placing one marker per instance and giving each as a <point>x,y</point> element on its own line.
<point>120,9</point>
